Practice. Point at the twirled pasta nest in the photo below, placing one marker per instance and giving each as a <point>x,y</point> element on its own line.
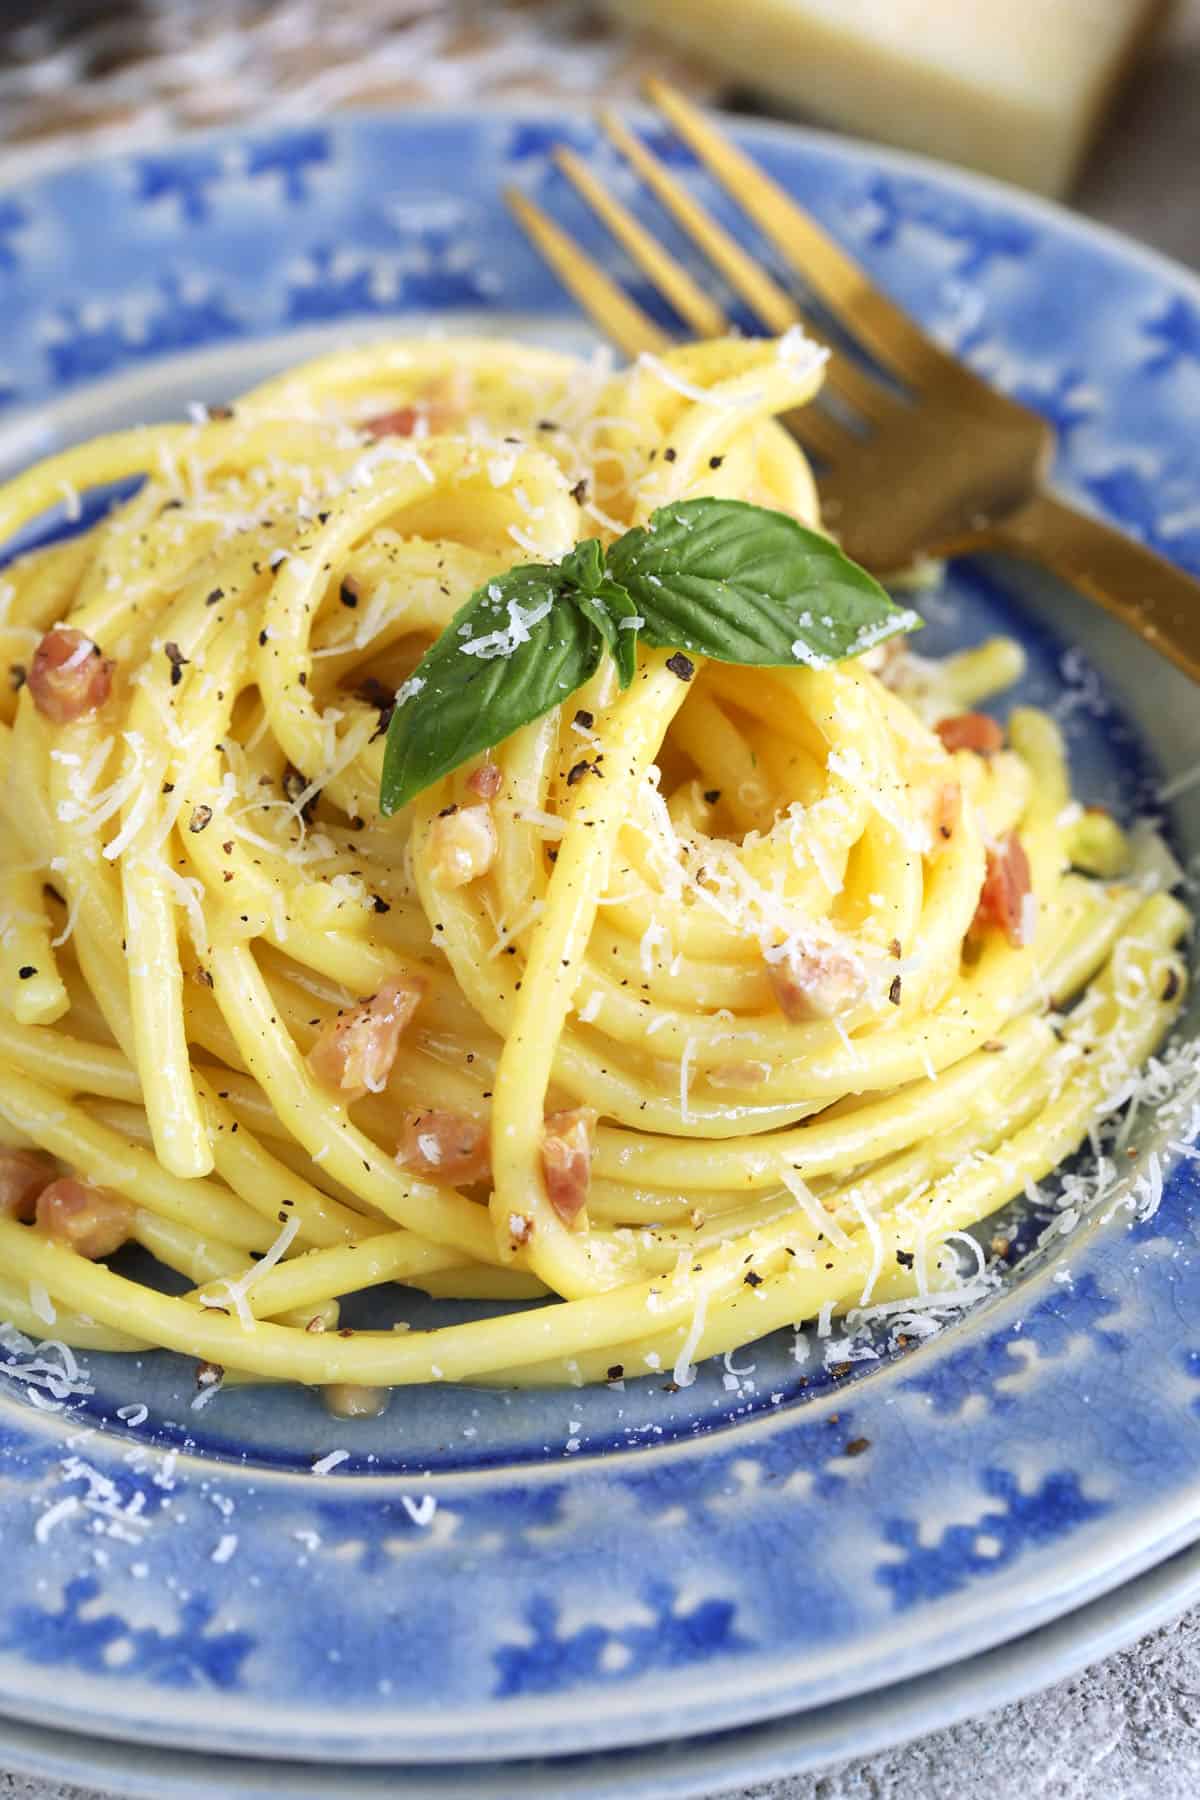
<point>709,1006</point>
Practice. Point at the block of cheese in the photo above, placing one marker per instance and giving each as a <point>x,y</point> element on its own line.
<point>1013,87</point>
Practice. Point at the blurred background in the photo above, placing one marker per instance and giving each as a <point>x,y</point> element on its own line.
<point>1095,101</point>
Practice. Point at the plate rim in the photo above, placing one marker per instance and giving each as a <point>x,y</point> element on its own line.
<point>770,1750</point>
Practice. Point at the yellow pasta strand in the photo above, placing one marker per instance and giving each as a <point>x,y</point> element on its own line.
<point>197,884</point>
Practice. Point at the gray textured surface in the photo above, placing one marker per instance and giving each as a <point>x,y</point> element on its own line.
<point>1128,1729</point>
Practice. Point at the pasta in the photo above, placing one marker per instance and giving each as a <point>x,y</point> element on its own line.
<point>699,1008</point>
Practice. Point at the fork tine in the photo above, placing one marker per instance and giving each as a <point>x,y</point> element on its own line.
<point>622,320</point>
<point>671,279</point>
<point>883,327</point>
<point>617,316</point>
<point>820,433</point>
<point>770,302</point>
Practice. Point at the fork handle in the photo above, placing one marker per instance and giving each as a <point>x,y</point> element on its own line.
<point>1149,594</point>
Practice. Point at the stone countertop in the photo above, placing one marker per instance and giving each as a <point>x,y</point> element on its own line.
<point>1128,1729</point>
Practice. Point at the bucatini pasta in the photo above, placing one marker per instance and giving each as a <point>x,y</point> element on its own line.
<point>704,1006</point>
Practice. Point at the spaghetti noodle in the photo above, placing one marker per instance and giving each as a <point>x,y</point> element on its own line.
<point>731,1030</point>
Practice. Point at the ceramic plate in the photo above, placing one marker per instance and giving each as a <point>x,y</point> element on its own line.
<point>489,1575</point>
<point>684,1770</point>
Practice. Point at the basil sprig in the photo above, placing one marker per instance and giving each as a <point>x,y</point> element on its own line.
<point>718,578</point>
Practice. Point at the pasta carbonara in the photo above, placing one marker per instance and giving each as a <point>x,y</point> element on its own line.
<point>703,1007</point>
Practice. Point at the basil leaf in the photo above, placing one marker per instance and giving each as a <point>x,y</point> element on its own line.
<point>721,578</point>
<point>594,609</point>
<point>744,584</point>
<point>515,649</point>
<point>584,565</point>
<point>622,608</point>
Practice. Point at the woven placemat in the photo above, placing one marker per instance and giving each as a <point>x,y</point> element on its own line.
<point>81,75</point>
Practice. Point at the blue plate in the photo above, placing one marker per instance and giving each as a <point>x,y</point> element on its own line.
<point>490,1575</point>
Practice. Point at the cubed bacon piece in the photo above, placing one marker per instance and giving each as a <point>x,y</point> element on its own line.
<point>89,1220</point>
<point>400,422</point>
<point>462,845</point>
<point>23,1175</point>
<point>741,1076</point>
<point>69,676</point>
<point>446,1146</point>
<point>971,731</point>
<point>818,983</point>
<point>486,780</point>
<point>354,1053</point>
<point>567,1160</point>
<point>1006,898</point>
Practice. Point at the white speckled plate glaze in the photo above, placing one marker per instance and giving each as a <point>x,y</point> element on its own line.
<point>496,1575</point>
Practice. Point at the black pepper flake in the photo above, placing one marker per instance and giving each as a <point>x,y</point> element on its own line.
<point>448,811</point>
<point>894,991</point>
<point>219,412</point>
<point>177,659</point>
<point>856,1446</point>
<point>714,462</point>
<point>205,979</point>
<point>16,676</point>
<point>993,1045</point>
<point>579,492</point>
<point>552,856</point>
<point>380,905</point>
<point>373,692</point>
<point>584,719</point>
<point>895,948</point>
<point>669,455</point>
<point>580,770</point>
<point>349,593</point>
<point>264,636</point>
<point>168,787</point>
<point>905,1258</point>
<point>616,1372</point>
<point>26,971</point>
<point>294,784</point>
<point>1171,987</point>
<point>712,795</point>
<point>201,816</point>
<point>548,425</point>
<point>681,665</point>
<point>752,1278</point>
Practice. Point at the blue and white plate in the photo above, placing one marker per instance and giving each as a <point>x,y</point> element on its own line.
<point>487,1575</point>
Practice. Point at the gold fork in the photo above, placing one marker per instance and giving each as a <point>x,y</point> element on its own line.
<point>925,460</point>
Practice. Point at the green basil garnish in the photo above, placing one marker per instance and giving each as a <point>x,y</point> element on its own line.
<point>718,578</point>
